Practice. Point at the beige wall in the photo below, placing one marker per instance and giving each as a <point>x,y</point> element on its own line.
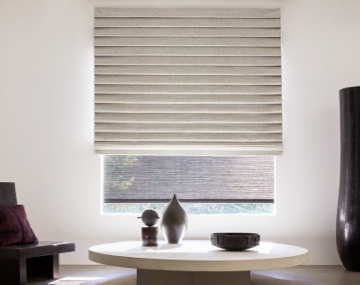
<point>46,123</point>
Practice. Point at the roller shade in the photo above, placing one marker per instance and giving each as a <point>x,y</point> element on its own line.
<point>187,81</point>
<point>195,179</point>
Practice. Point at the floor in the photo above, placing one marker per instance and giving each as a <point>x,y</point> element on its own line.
<point>300,275</point>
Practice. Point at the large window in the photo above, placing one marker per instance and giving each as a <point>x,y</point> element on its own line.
<point>188,101</point>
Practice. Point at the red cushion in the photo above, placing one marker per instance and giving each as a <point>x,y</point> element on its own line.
<point>14,226</point>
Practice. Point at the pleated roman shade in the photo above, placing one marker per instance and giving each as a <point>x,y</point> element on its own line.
<point>187,81</point>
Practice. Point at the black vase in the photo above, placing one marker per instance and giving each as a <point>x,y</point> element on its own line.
<point>348,213</point>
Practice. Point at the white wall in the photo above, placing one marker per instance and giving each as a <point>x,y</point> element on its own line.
<point>46,123</point>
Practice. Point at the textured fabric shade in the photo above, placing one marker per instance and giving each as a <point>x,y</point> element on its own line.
<point>205,179</point>
<point>187,81</point>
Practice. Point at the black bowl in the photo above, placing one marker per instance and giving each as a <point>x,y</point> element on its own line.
<point>235,241</point>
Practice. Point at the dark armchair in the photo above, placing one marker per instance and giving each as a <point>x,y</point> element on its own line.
<point>19,261</point>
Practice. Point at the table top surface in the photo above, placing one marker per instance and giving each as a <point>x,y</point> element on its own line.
<point>197,255</point>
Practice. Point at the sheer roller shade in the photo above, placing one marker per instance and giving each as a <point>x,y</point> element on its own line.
<point>187,81</point>
<point>195,179</point>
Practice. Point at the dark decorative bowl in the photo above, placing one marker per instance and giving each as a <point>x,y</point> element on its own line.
<point>235,241</point>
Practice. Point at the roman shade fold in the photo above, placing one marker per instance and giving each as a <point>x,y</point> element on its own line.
<point>187,81</point>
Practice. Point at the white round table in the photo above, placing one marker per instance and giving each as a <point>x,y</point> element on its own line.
<point>196,262</point>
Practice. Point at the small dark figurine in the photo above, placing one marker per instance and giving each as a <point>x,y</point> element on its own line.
<point>149,234</point>
<point>149,217</point>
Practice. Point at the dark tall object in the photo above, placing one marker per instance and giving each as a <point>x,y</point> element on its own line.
<point>174,221</point>
<point>348,214</point>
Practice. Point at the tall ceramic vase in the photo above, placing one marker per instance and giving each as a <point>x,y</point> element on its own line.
<point>348,214</point>
<point>174,222</point>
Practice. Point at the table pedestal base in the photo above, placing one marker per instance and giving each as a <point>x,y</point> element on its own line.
<point>162,277</point>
